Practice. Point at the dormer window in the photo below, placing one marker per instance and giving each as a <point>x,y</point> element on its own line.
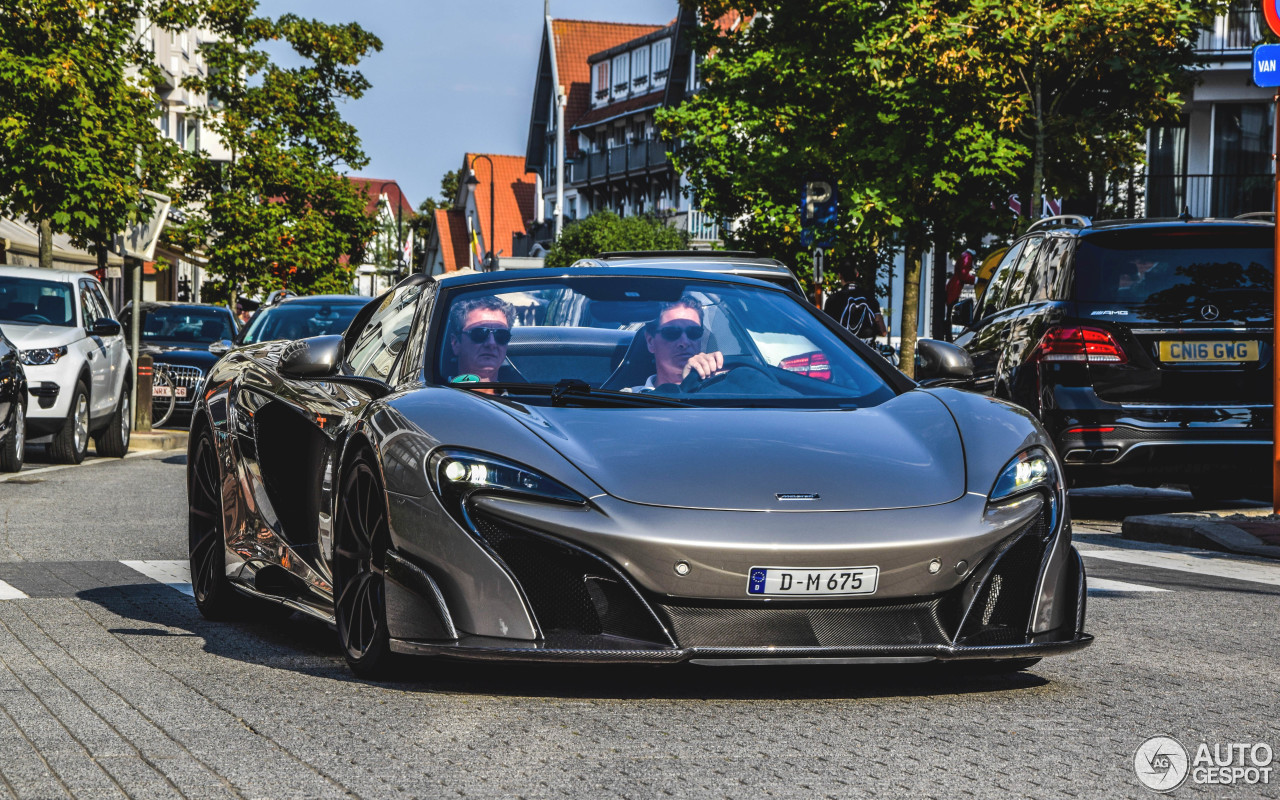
<point>660,61</point>
<point>621,74</point>
<point>640,67</point>
<point>600,79</point>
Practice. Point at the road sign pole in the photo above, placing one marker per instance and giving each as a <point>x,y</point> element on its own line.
<point>818,257</point>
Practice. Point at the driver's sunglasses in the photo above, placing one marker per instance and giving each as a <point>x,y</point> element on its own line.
<point>672,332</point>
<point>481,335</point>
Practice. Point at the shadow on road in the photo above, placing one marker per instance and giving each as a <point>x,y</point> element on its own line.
<point>1117,502</point>
<point>295,642</point>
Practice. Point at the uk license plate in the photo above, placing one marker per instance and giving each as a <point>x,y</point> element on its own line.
<point>163,391</point>
<point>805,581</point>
<point>1208,352</point>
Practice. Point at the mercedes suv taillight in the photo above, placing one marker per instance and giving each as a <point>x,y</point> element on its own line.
<point>1080,343</point>
<point>815,365</point>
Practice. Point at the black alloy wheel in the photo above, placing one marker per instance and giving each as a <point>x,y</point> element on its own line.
<point>359,556</point>
<point>214,594</point>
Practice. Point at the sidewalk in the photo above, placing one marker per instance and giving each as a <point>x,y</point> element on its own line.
<point>1254,532</point>
<point>159,439</point>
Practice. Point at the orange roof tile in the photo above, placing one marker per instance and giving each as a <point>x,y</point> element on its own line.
<point>451,230</point>
<point>575,41</point>
<point>513,196</point>
<point>376,187</point>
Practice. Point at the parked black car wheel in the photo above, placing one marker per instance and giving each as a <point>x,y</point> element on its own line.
<point>361,545</point>
<point>11,447</point>
<point>71,442</point>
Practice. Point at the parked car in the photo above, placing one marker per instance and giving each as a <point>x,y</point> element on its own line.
<point>187,337</point>
<point>78,368</point>
<point>13,406</point>
<point>289,317</point>
<point>764,514</point>
<point>1143,347</point>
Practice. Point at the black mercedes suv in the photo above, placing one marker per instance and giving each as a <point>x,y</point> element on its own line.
<point>1144,346</point>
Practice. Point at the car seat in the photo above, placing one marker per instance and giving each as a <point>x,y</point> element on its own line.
<point>211,329</point>
<point>637,366</point>
<point>52,308</point>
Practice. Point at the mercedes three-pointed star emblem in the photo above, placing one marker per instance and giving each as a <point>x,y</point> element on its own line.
<point>1209,311</point>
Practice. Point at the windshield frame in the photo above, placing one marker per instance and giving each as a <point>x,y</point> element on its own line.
<point>437,322</point>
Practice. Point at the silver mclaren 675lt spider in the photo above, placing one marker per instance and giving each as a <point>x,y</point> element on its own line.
<point>614,464</point>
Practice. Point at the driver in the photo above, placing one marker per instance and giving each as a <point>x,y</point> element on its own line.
<point>675,338</point>
<point>481,330</point>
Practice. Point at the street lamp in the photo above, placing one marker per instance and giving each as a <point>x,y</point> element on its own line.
<point>490,260</point>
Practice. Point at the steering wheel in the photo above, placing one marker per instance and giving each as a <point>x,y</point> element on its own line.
<point>36,318</point>
<point>692,383</point>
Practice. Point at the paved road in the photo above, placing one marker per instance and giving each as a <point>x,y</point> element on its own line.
<point>111,684</point>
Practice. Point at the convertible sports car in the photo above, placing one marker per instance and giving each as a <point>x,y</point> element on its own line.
<point>531,465</point>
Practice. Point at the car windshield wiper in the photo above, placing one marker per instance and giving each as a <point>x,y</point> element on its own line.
<point>571,391</point>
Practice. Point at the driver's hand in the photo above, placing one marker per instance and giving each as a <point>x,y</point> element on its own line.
<point>705,364</point>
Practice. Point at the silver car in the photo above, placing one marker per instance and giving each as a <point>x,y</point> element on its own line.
<point>614,464</point>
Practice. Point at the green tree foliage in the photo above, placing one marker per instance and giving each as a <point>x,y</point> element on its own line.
<point>924,114</point>
<point>281,214</point>
<point>605,231</point>
<point>78,142</point>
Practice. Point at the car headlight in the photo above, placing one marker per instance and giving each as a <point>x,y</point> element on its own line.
<point>457,474</point>
<point>42,356</point>
<point>1029,470</point>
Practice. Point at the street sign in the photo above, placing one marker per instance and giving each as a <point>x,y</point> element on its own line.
<point>1266,63</point>
<point>818,213</point>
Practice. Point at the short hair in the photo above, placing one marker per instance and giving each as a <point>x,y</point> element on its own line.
<point>458,314</point>
<point>685,301</point>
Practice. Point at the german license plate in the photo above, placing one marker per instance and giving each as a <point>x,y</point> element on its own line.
<point>804,581</point>
<point>1208,352</point>
<point>164,391</point>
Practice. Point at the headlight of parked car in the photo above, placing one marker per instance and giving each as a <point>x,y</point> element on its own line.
<point>1029,470</point>
<point>457,474</point>
<point>43,356</point>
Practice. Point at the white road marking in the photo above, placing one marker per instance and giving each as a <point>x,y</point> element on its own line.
<point>1107,585</point>
<point>7,592</point>
<point>175,574</point>
<point>88,462</point>
<point>1185,559</point>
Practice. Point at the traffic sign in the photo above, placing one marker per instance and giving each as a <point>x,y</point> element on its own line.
<point>1266,63</point>
<point>818,213</point>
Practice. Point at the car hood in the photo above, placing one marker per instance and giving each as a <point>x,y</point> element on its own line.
<point>32,337</point>
<point>901,454</point>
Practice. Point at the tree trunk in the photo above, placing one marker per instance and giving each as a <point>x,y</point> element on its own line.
<point>1037,172</point>
<point>910,310</point>
<point>46,244</point>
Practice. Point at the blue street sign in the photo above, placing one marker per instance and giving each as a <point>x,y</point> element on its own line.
<point>818,212</point>
<point>1266,65</point>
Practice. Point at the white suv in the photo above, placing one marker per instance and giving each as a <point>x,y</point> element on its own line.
<point>77,365</point>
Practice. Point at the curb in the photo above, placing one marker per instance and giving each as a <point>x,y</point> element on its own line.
<point>1198,532</point>
<point>158,440</point>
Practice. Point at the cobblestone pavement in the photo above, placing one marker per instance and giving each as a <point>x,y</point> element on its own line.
<point>111,685</point>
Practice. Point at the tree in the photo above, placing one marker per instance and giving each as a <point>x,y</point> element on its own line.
<point>281,213</point>
<point>605,231</point>
<point>78,143</point>
<point>883,99</point>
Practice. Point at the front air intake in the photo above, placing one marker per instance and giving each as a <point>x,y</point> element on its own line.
<point>1001,612</point>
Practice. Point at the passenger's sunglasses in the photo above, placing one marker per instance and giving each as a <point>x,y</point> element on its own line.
<point>672,332</point>
<point>481,335</point>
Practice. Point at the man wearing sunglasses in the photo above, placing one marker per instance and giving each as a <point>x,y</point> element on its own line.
<point>676,339</point>
<point>481,331</point>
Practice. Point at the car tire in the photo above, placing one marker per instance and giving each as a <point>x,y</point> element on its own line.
<point>215,597</point>
<point>11,447</point>
<point>361,540</point>
<point>71,442</point>
<point>113,441</point>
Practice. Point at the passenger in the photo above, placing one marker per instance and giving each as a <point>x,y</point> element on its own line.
<point>676,338</point>
<point>481,330</point>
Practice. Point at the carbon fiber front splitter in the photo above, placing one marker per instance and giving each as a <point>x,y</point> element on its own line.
<point>488,649</point>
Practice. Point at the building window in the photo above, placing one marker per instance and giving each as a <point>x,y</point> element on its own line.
<point>601,80</point>
<point>573,208</point>
<point>640,67</point>
<point>621,74</point>
<point>1242,138</point>
<point>660,60</point>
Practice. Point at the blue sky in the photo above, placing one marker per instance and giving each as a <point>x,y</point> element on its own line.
<point>453,75</point>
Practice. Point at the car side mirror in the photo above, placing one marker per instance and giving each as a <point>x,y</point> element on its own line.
<point>941,361</point>
<point>105,327</point>
<point>962,313</point>
<point>221,347</point>
<point>316,357</point>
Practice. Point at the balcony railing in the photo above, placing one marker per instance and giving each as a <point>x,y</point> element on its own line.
<point>1235,32</point>
<point>644,155</point>
<point>703,227</point>
<point>1209,195</point>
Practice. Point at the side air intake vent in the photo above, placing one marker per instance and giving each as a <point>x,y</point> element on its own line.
<point>1001,613</point>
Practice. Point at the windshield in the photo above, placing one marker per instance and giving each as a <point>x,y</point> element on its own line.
<point>181,325</point>
<point>35,302</point>
<point>758,347</point>
<point>301,320</point>
<point>1176,268</point>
